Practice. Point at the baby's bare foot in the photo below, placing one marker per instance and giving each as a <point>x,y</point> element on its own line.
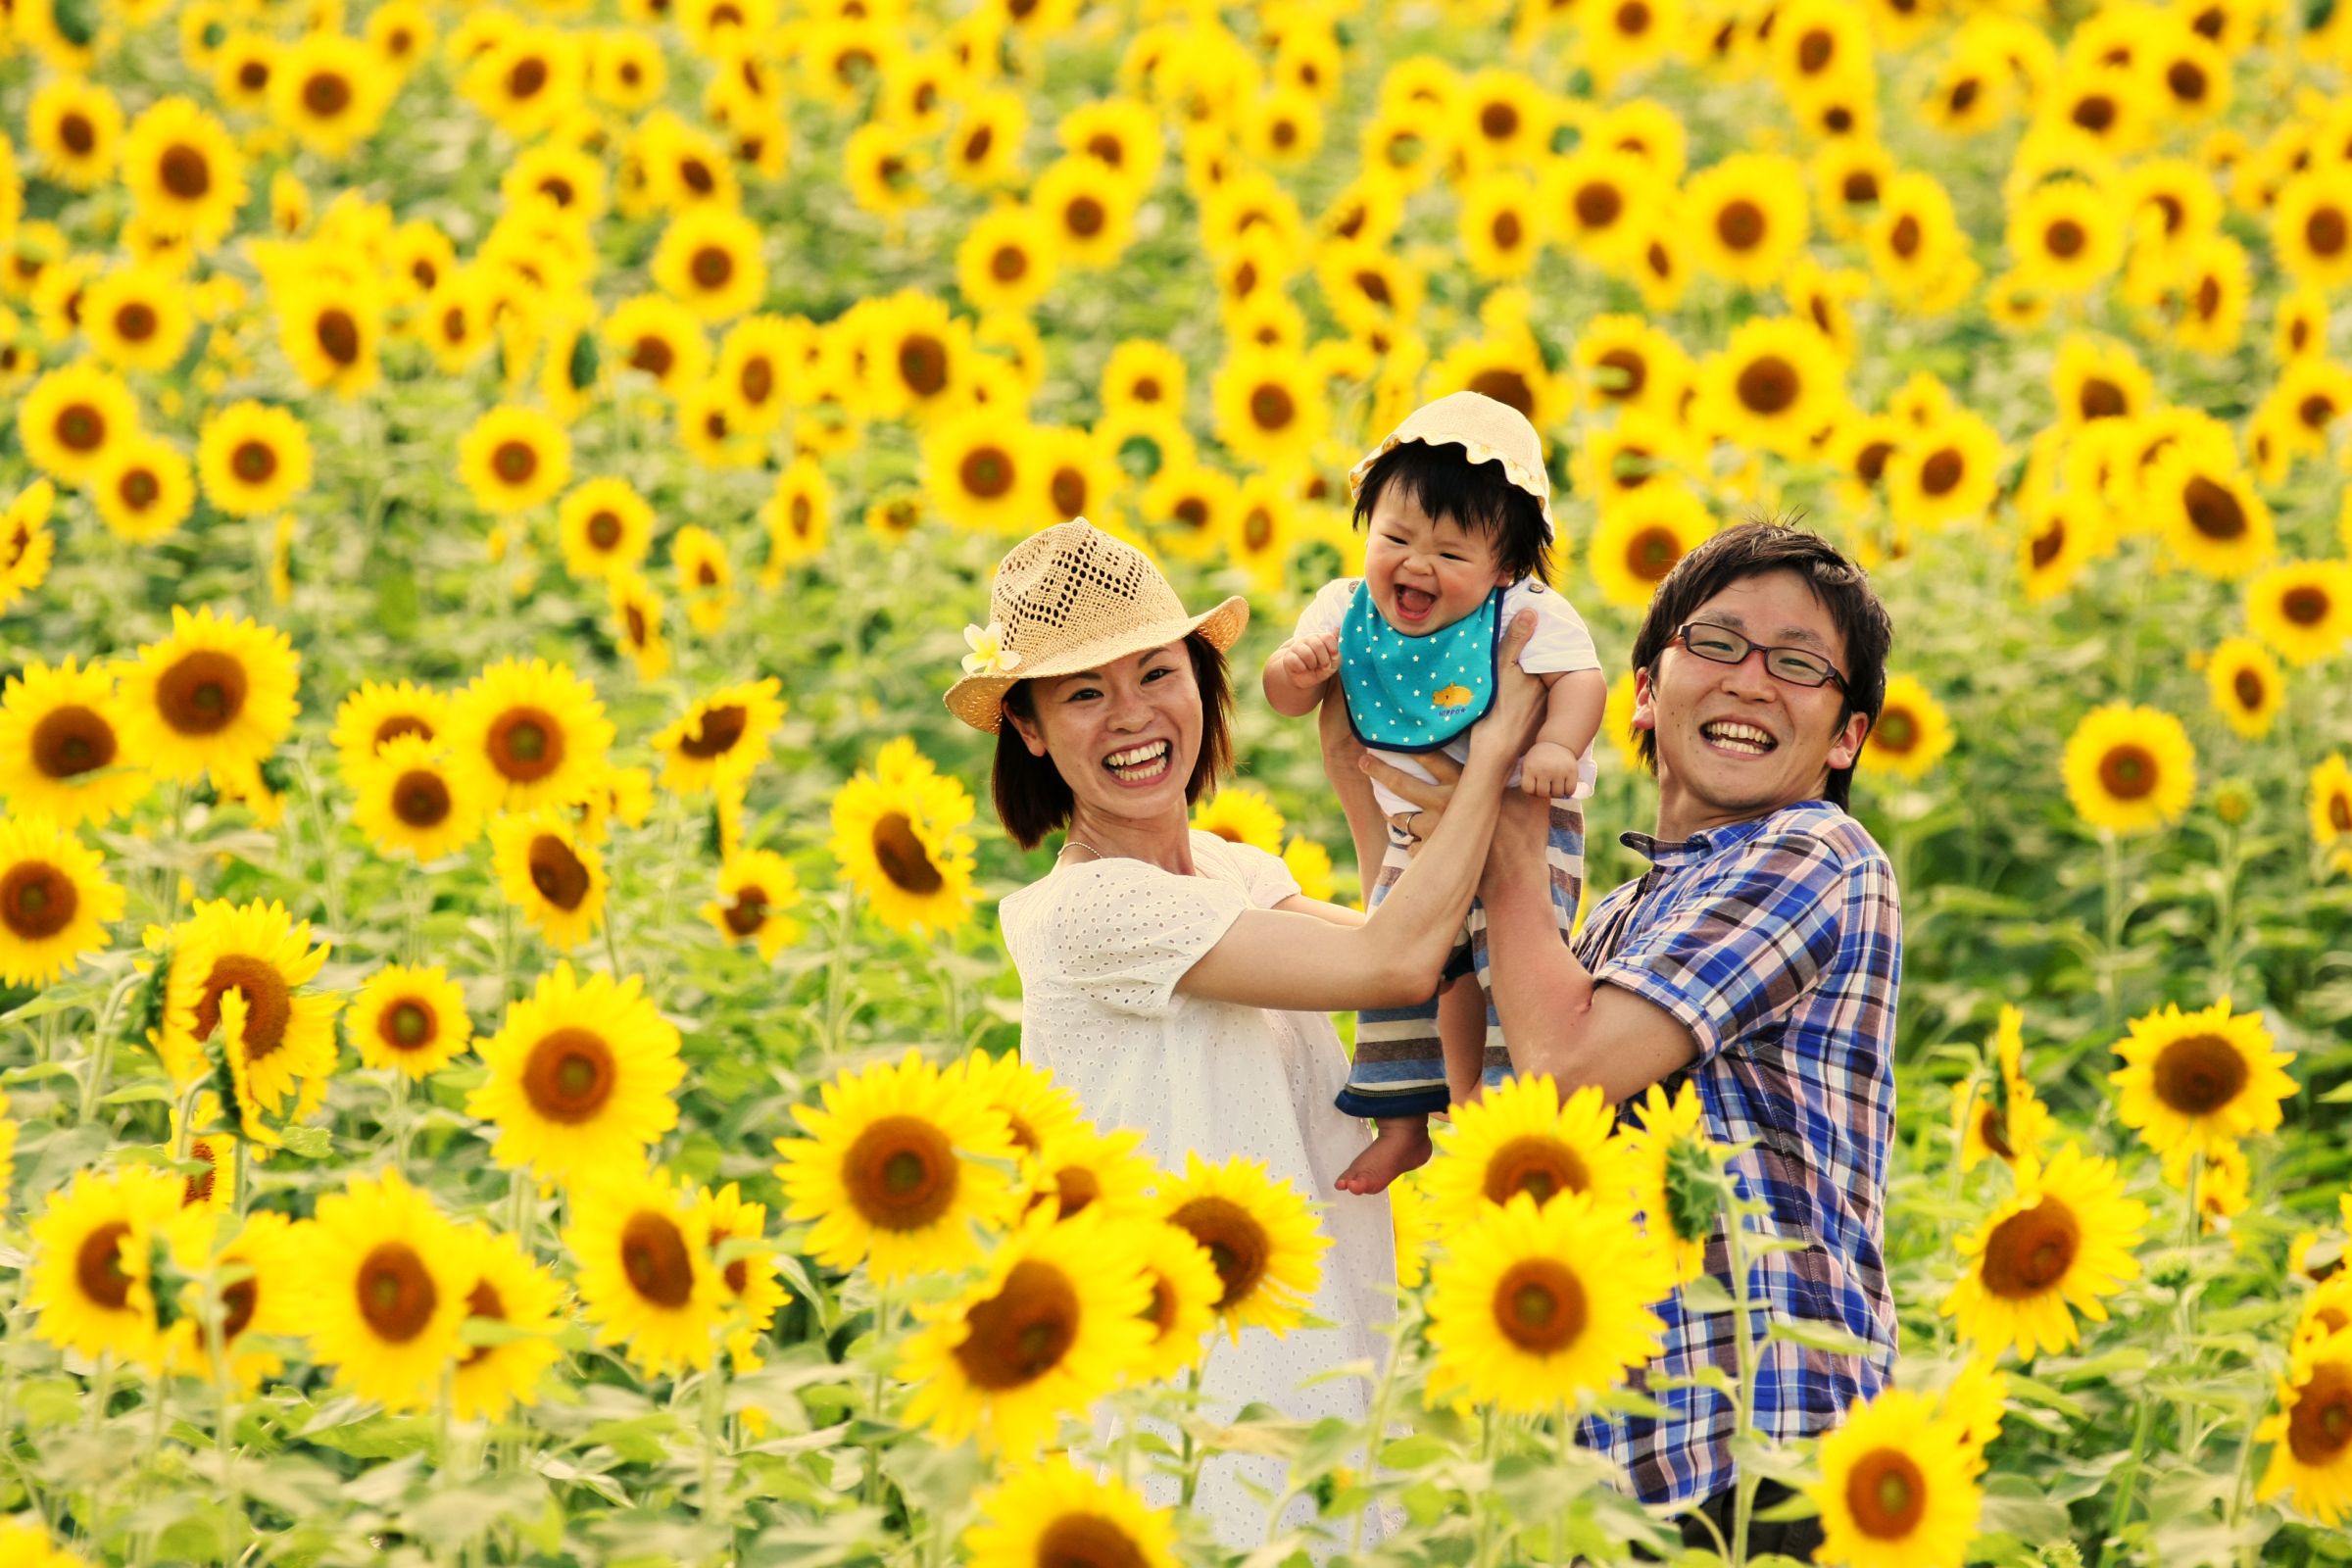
<point>1398,1148</point>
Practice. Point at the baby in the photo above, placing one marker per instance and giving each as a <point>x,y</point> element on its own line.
<point>1458,513</point>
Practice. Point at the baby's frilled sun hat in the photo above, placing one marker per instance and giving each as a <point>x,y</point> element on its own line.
<point>1073,598</point>
<point>1489,432</point>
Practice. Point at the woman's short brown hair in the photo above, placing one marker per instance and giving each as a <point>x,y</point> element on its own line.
<point>1032,799</point>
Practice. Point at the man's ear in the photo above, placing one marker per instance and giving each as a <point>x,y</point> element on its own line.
<point>1031,736</point>
<point>1644,708</point>
<point>1849,744</point>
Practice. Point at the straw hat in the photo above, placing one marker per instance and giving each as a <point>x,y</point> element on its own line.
<point>1068,599</point>
<point>1489,430</point>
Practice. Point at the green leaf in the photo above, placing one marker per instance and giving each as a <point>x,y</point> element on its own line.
<point>308,1143</point>
<point>1815,1335</point>
<point>1411,1453</point>
<point>1707,1293</point>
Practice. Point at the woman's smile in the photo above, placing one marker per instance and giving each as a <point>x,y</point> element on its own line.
<point>1141,765</point>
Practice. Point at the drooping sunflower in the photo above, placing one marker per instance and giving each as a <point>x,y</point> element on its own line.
<point>2200,1079</point>
<point>2311,1431</point>
<point>1259,1232</point>
<point>2058,1245</point>
<point>88,1282</point>
<point>899,835</point>
<point>2247,686</point>
<point>1774,386</point>
<point>706,577</point>
<point>1670,1160</point>
<point>2005,1120</point>
<point>756,887</point>
<point>1060,1320</point>
<point>2331,797</point>
<point>254,459</point>
<point>897,1168</point>
<point>267,1300</point>
<point>751,1289</point>
<point>73,418</point>
<point>216,696</point>
<point>1241,813</point>
<point>528,734</point>
<point>184,172</point>
<point>1080,1169</point>
<point>1637,543</point>
<point>581,1076</point>
<point>62,753</point>
<point>27,546</point>
<point>410,1018</point>
<point>1535,1306</point>
<point>389,1277</point>
<point>55,901</point>
<point>507,1287</point>
<point>287,1045</point>
<point>2129,769</point>
<point>637,610</point>
<point>1897,1488</point>
<point>408,797</point>
<point>797,516</point>
<point>1523,1137</point>
<point>1057,1513</point>
<point>1912,732</point>
<point>2302,608</point>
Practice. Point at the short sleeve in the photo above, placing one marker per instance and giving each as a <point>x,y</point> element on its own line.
<point>1125,932</point>
<point>1328,610</point>
<point>1562,641</point>
<point>1730,954</point>
<point>1266,878</point>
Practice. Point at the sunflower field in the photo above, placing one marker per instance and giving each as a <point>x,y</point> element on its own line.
<point>506,1054</point>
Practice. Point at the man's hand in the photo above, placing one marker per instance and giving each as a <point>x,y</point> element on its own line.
<point>1549,770</point>
<point>1307,663</point>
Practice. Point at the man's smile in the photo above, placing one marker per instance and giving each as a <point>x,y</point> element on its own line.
<point>1737,737</point>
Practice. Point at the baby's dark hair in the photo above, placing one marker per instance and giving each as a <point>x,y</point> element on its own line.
<point>1445,483</point>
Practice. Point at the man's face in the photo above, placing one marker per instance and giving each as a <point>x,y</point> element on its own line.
<point>1734,742</point>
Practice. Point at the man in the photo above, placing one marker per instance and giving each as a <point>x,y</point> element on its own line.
<point>1757,958</point>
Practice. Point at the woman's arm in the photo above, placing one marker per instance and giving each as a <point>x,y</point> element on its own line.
<point>1342,763</point>
<point>1282,958</point>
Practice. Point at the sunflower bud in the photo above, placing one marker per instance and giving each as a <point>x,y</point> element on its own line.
<point>1694,1195</point>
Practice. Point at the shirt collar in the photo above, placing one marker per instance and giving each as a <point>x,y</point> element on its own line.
<point>1712,841</point>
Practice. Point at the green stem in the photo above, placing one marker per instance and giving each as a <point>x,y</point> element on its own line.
<point>715,1388</point>
<point>401,1121</point>
<point>1191,1455</point>
<point>327,847</point>
<point>874,1397</point>
<point>1479,1504</point>
<point>102,1040</point>
<point>1376,1437</point>
<point>1743,1496</point>
<point>2130,1479</point>
<point>836,973</point>
<point>2111,860</point>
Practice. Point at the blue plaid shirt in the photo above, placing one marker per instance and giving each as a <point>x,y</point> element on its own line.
<point>1779,945</point>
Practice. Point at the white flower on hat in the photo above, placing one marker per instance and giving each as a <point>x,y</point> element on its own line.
<point>989,655</point>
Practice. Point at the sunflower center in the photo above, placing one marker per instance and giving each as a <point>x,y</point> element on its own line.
<point>569,1075</point>
<point>78,133</point>
<point>1633,19</point>
<point>1652,554</point>
<point>2128,772</point>
<point>1767,385</point>
<point>98,1266</point>
<point>923,365</point>
<point>1499,122</point>
<point>253,75</point>
<point>1504,385</point>
<point>1541,1167</point>
<point>254,462</point>
<point>185,171</point>
<point>901,1174</point>
<point>406,1025</point>
<point>2065,239</point>
<point>2248,687</point>
<point>198,1188</point>
<point>903,857</point>
<point>1942,473</point>
<point>339,336</point>
<point>1814,49</point>
<point>1740,225</point>
<point>1887,1494</point>
<point>2199,1074</point>
<point>652,356</point>
<point>80,427</point>
<point>802,515</point>
<point>2305,606</point>
<point>526,744</point>
<point>237,1303</point>
<point>2321,1427</point>
<point>1023,1331</point>
<point>1009,263</point>
<point>985,473</point>
<point>2101,399</point>
<point>138,488</point>
<point>1069,490</point>
<point>2095,114</point>
<point>327,95</point>
<point>135,323</point>
<point>1859,188</point>
<point>2325,231</point>
<point>396,1292</point>
<point>1084,217</point>
<point>482,1301</point>
<point>2031,1250</point>
<point>1235,1242</point>
<point>2339,813</point>
<point>421,797</point>
<point>1506,230</point>
<point>653,1256</point>
<point>1994,1128</point>
<point>722,728</point>
<point>1896,730</point>
<point>269,1002</point>
<point>748,912</point>
<point>71,741</point>
<point>1087,1541</point>
<point>37,900</point>
<point>1540,1305</point>
<point>513,461</point>
<point>712,267</point>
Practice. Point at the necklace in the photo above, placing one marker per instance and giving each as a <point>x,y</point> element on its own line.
<point>1075,843</point>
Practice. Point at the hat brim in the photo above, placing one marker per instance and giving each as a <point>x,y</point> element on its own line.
<point>979,700</point>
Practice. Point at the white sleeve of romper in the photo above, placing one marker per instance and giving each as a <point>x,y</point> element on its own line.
<point>1125,932</point>
<point>1328,608</point>
<point>1562,641</point>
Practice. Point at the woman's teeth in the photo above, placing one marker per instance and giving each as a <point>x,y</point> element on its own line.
<point>1746,739</point>
<point>1140,764</point>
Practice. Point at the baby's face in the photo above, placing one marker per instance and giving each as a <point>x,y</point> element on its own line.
<point>1426,573</point>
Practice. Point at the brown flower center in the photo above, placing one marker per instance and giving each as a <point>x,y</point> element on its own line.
<point>2029,1251</point>
<point>652,356</point>
<point>2305,605</point>
<point>482,1301</point>
<point>135,321</point>
<point>1767,385</point>
<point>1504,385</point>
<point>985,473</point>
<point>1235,1242</point>
<point>409,1024</point>
<point>2102,399</point>
<point>2249,690</point>
<point>723,727</point>
<point>198,1188</point>
<point>80,427</point>
<point>526,77</point>
<point>2127,771</point>
<point>185,171</point>
<point>712,267</point>
<point>1740,225</point>
<point>1068,488</point>
<point>268,1004</point>
<point>37,900</point>
<point>72,740</point>
<point>901,1174</point>
<point>2198,1074</point>
<point>327,95</point>
<point>2213,510</point>
<point>569,1075</point>
<point>98,1266</point>
<point>748,912</point>
<point>513,461</point>
<point>421,797</point>
<point>560,874</point>
<point>1942,473</point>
<point>524,744</point>
<point>1887,1494</point>
<point>396,1292</point>
<point>202,693</point>
<point>923,365</point>
<point>1631,367</point>
<point>1022,1332</point>
<point>1652,554</point>
<point>78,133</point>
<point>2320,1428</point>
<point>2325,231</point>
<point>1540,1305</point>
<point>653,1256</point>
<point>1084,217</point>
<point>1542,1167</point>
<point>339,336</point>
<point>138,488</point>
<point>1508,230</point>
<point>1896,730</point>
<point>903,858</point>
<point>2065,239</point>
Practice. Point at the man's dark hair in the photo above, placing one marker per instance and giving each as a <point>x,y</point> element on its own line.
<point>1749,550</point>
<point>1033,800</point>
<point>1478,496</point>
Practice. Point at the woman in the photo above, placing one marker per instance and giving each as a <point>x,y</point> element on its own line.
<point>1179,984</point>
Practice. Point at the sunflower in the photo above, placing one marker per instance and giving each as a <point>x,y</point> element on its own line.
<point>2299,324</point>
<point>978,469</point>
<point>1523,1137</point>
<point>145,490</point>
<point>656,334</point>
<point>2065,237</point>
<point>896,1169</point>
<point>1911,734</point>
<point>408,797</point>
<point>1898,1485</point>
<point>1192,507</point>
<point>1057,1513</point>
<point>27,546</point>
<point>411,1019</point>
<point>706,579</point>
<point>2310,228</point>
<point>1669,1162</point>
<point>1086,210</point>
<point>1641,537</point>
<point>1748,216</point>
<point>899,835</point>
<point>1774,385</point>
<point>137,316</point>
<point>75,127</point>
<point>711,260</point>
<point>254,458</point>
<point>756,889</point>
<point>1000,264</point>
<point>1077,478</point>
<point>984,150</point>
<point>637,623</point>
<point>260,954</point>
<point>2330,797</point>
<point>526,735</point>
<point>2005,1120</point>
<point>184,172</point>
<point>2095,378</point>
<point>2064,1240</point>
<point>55,901</point>
<point>916,358</point>
<point>216,696</point>
<point>2129,769</point>
<point>61,745</point>
<point>2311,1431</point>
<point>758,363</point>
<point>721,738</point>
<point>581,1076</point>
<point>2246,685</point>
<point>1062,1317</point>
<point>2313,393</point>
<point>2200,1079</point>
<point>1949,472</point>
<point>511,1289</point>
<point>376,715</point>
<point>797,514</point>
<point>389,1276</point>
<point>512,459</point>
<point>74,419</point>
<point>330,91</point>
<point>90,1282</point>
<point>1498,226</point>
<point>268,1299</point>
<point>2209,512</point>
<point>1260,1233</point>
<point>1241,813</point>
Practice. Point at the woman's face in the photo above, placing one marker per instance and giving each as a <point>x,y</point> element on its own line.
<point>1123,737</point>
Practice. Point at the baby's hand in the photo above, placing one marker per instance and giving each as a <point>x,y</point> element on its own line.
<point>1307,663</point>
<point>1549,769</point>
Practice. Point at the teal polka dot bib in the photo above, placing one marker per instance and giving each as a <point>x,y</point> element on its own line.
<point>1414,693</point>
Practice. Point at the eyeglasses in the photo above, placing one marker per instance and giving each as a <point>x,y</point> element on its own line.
<point>1724,646</point>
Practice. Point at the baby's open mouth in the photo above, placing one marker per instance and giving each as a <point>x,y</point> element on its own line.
<point>1139,764</point>
<point>1414,602</point>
